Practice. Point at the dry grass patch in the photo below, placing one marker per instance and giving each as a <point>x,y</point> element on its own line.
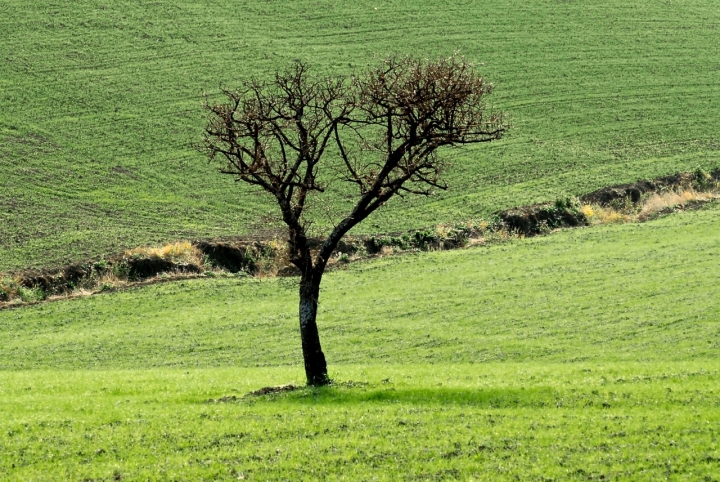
<point>658,202</point>
<point>182,251</point>
<point>604,215</point>
<point>654,204</point>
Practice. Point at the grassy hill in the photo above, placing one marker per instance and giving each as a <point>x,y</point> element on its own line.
<point>100,106</point>
<point>635,292</point>
<point>587,354</point>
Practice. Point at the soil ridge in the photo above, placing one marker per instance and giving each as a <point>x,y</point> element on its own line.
<point>248,254</point>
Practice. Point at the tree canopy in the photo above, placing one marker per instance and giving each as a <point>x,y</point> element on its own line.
<point>380,130</point>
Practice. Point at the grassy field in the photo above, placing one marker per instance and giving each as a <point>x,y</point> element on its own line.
<point>512,421</point>
<point>100,106</point>
<point>590,354</point>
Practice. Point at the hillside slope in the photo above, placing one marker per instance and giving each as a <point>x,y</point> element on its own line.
<point>590,354</point>
<point>100,106</point>
<point>636,292</point>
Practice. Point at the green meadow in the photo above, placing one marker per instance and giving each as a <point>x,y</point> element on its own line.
<point>589,354</point>
<point>509,421</point>
<point>100,107</point>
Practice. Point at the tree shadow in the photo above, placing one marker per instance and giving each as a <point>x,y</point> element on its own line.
<point>365,394</point>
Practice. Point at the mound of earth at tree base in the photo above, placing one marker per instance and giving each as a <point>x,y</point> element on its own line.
<point>273,390</point>
<point>257,393</point>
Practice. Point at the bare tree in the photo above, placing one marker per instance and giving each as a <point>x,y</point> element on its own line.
<point>379,130</point>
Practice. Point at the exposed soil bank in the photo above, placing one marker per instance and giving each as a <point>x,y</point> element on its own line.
<point>634,192</point>
<point>538,219</point>
<point>253,255</point>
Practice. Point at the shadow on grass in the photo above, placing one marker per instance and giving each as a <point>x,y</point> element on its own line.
<point>489,398</point>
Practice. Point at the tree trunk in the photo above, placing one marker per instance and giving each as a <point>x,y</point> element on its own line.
<point>315,365</point>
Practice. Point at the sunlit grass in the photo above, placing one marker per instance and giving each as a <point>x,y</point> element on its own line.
<point>392,422</point>
<point>586,354</point>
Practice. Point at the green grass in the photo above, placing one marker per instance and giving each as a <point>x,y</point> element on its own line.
<point>429,422</point>
<point>100,106</point>
<point>634,292</point>
<point>588,354</point>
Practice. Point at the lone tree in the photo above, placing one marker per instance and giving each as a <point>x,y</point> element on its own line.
<point>379,130</point>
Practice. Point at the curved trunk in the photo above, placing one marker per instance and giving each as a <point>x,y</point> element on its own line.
<point>315,365</point>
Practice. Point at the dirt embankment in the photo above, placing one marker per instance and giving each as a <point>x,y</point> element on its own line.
<point>634,193</point>
<point>540,218</point>
<point>254,255</point>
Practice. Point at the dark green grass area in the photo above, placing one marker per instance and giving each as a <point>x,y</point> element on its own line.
<point>590,354</point>
<point>100,107</point>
